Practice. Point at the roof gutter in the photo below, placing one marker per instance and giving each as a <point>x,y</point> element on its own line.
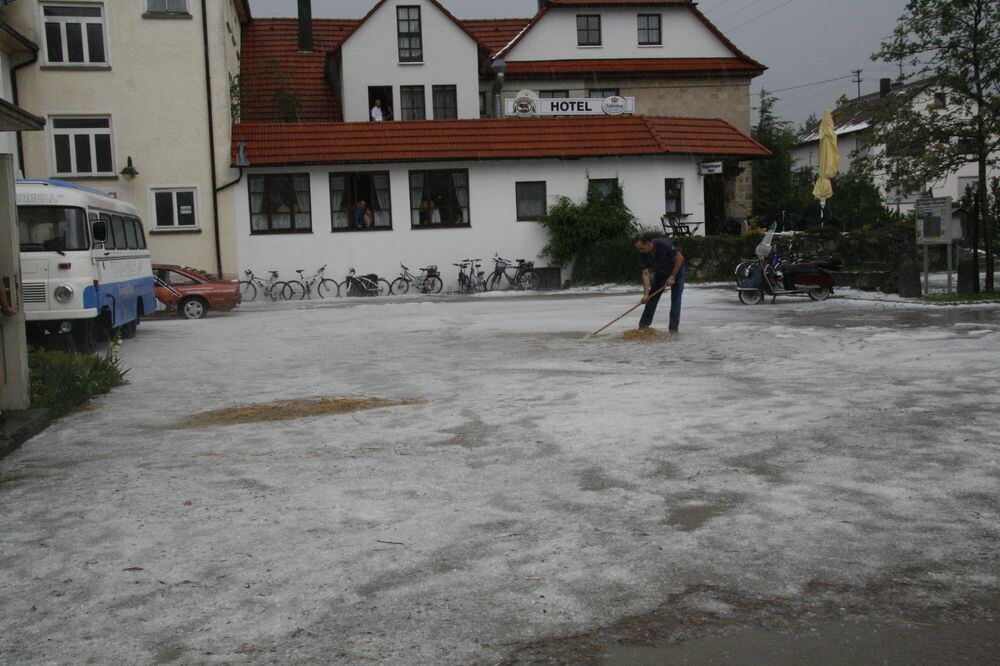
<point>211,137</point>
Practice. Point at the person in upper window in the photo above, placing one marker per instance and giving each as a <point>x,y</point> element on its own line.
<point>377,115</point>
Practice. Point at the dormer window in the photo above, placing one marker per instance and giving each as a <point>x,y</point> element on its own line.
<point>588,30</point>
<point>650,33</point>
<point>411,47</point>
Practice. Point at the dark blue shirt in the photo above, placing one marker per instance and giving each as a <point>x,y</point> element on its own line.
<point>662,258</point>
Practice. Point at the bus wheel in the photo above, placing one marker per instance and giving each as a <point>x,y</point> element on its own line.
<point>128,330</point>
<point>85,335</point>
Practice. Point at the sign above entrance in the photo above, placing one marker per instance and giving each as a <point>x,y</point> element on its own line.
<point>528,103</point>
<point>710,168</point>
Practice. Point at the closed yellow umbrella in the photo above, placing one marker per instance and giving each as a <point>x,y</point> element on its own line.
<point>829,159</point>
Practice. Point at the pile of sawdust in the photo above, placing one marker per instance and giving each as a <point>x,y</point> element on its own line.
<point>287,410</point>
<point>642,335</point>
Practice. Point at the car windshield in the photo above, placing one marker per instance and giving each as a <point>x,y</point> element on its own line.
<point>51,228</point>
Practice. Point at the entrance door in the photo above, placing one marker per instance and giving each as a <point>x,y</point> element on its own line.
<point>715,203</point>
<point>384,95</point>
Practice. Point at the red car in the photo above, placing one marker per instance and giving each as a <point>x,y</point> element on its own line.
<point>191,293</point>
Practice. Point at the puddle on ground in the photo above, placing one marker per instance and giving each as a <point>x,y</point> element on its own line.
<point>690,517</point>
<point>288,410</point>
<point>830,642</point>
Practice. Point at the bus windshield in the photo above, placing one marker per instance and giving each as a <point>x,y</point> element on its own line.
<point>52,228</point>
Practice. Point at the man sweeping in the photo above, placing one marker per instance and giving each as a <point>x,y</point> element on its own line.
<point>662,266</point>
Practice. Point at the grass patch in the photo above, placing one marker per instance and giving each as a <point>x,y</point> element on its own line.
<point>61,381</point>
<point>985,297</point>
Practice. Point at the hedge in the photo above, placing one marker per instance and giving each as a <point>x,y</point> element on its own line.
<point>713,258</point>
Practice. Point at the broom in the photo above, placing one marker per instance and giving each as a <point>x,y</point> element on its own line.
<point>590,335</point>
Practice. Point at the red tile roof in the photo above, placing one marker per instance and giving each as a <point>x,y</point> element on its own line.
<point>292,144</point>
<point>494,34</point>
<point>273,65</point>
<point>575,3</point>
<point>633,67</point>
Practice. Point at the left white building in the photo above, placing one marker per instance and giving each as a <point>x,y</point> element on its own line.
<point>14,48</point>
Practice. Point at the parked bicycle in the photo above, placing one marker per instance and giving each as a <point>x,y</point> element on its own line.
<point>364,285</point>
<point>428,282</point>
<point>470,276</point>
<point>524,276</point>
<point>324,287</point>
<point>253,285</point>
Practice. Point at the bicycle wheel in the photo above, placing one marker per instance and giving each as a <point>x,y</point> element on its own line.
<point>399,286</point>
<point>327,288</point>
<point>434,284</point>
<point>494,282</point>
<point>529,280</point>
<point>274,291</point>
<point>351,288</point>
<point>248,291</point>
<point>384,288</point>
<point>293,291</point>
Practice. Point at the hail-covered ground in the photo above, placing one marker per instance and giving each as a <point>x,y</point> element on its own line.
<point>781,457</point>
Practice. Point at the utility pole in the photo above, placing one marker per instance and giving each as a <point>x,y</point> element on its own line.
<point>857,79</point>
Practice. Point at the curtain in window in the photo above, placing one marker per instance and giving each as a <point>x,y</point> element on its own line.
<point>258,220</point>
<point>303,217</point>
<point>460,179</point>
<point>416,196</point>
<point>380,185</point>
<point>338,185</point>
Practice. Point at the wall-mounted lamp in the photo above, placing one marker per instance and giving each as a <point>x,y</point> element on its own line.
<point>129,170</point>
<point>241,155</point>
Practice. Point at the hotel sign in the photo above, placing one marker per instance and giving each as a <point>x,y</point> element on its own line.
<point>528,103</point>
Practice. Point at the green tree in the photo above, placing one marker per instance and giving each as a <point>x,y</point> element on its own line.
<point>954,45</point>
<point>857,202</point>
<point>773,189</point>
<point>574,228</point>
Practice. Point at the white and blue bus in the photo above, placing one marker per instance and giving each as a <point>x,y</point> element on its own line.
<point>85,266</point>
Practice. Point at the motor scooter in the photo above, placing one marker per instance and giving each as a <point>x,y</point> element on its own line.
<point>768,275</point>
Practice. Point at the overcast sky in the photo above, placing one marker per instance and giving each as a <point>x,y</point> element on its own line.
<point>800,41</point>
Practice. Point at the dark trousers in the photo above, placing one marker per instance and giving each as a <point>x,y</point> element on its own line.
<point>676,291</point>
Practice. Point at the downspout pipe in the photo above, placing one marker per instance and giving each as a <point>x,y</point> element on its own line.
<point>14,98</point>
<point>211,138</point>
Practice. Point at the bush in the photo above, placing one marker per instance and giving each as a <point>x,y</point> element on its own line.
<point>61,381</point>
<point>575,229</point>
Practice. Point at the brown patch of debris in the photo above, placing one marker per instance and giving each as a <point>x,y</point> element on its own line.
<point>288,410</point>
<point>643,335</point>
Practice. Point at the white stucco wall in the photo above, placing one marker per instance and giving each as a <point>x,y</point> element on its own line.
<point>494,226</point>
<point>371,58</point>
<point>555,38</point>
<point>154,91</point>
<point>8,140</point>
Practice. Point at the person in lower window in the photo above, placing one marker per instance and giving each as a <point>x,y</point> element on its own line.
<point>662,266</point>
<point>360,214</point>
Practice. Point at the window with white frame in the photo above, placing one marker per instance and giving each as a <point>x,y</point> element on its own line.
<point>445,100</point>
<point>412,103</point>
<point>650,33</point>
<point>74,34</point>
<point>411,47</point>
<point>82,146</point>
<point>531,200</point>
<point>602,93</point>
<point>175,208</point>
<point>673,195</point>
<point>553,94</point>
<point>167,7</point>
<point>588,30</point>
<point>439,198</point>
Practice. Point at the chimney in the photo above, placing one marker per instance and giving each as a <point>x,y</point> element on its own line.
<point>884,87</point>
<point>305,25</point>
